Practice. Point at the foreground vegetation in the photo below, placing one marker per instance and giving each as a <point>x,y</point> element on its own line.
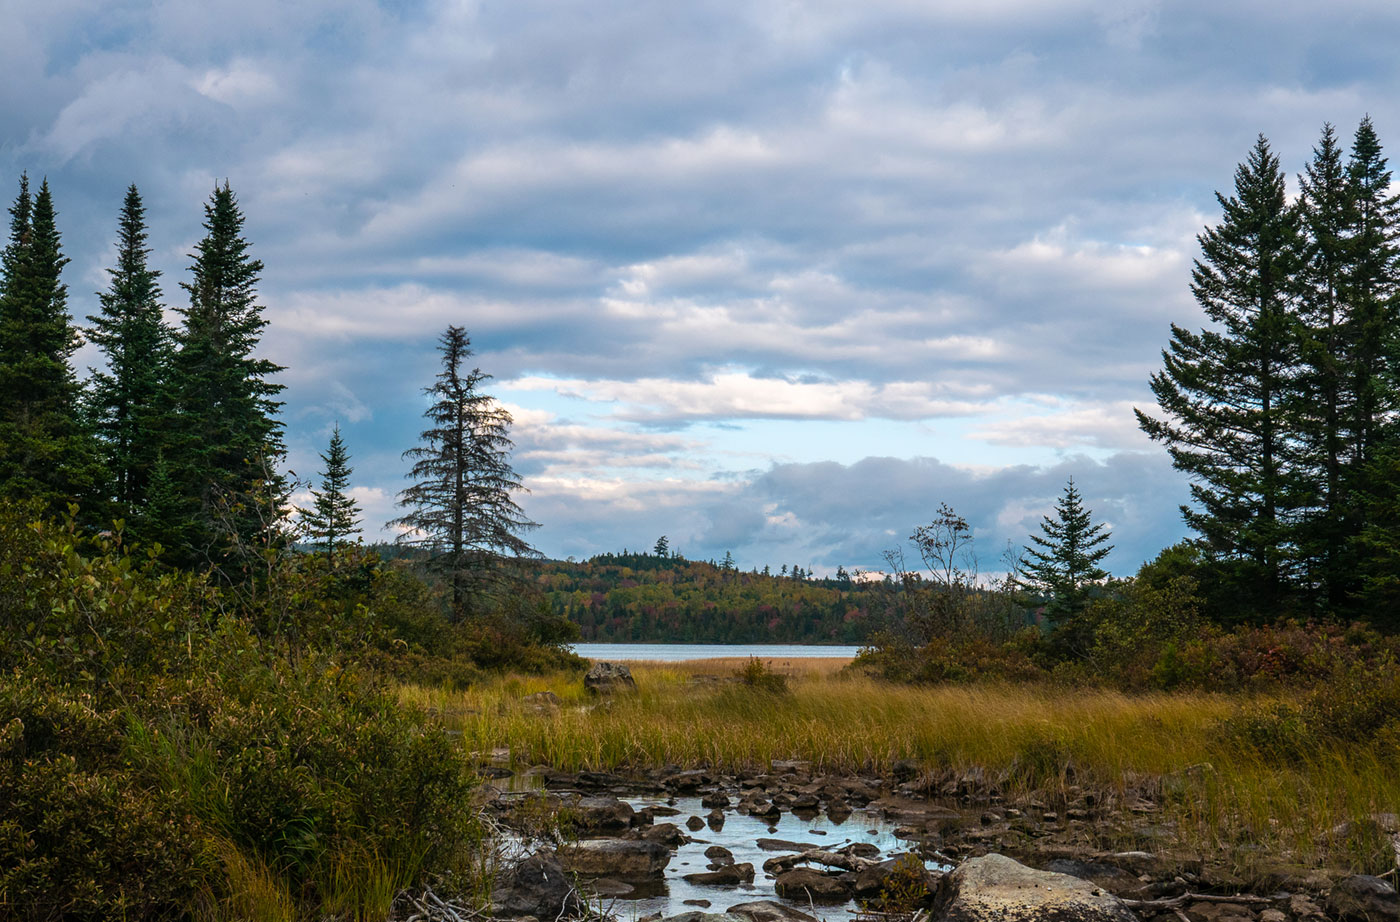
<point>173,749</point>
<point>1251,780</point>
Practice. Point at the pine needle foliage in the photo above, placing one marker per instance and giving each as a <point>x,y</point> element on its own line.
<point>460,504</point>
<point>46,453</point>
<point>334,516</point>
<point>230,436</point>
<point>130,401</point>
<point>1063,565</point>
<point>1224,390</point>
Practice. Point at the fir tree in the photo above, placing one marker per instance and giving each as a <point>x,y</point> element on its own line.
<point>460,502</point>
<point>662,548</point>
<point>1321,389</point>
<point>230,438</point>
<point>1225,389</point>
<point>1064,564</point>
<point>334,516</point>
<point>45,451</point>
<point>130,402</point>
<point>1370,287</point>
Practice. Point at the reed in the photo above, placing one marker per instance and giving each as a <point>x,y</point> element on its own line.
<point>1222,800</point>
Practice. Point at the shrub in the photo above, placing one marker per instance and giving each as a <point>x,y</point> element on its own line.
<point>757,674</point>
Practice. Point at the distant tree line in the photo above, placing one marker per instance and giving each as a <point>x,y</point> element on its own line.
<point>648,597</point>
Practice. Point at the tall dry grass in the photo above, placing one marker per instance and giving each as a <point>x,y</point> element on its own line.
<point>1218,799</point>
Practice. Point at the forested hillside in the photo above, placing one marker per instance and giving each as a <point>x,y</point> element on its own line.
<point>666,599</point>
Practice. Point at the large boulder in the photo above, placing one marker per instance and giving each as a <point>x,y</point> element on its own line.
<point>1363,898</point>
<point>625,859</point>
<point>805,884</point>
<point>535,887</point>
<point>995,888</point>
<point>769,911</point>
<point>606,678</point>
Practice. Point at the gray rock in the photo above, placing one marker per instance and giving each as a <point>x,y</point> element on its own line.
<point>627,859</point>
<point>783,845</point>
<point>1365,899</point>
<point>668,834</point>
<point>702,917</point>
<point>728,876</point>
<point>769,911</point>
<point>594,815</point>
<point>807,884</point>
<point>606,678</point>
<point>606,886</point>
<point>1112,878</point>
<point>995,888</point>
<point>535,887</point>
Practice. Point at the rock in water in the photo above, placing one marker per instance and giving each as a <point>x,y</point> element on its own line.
<point>536,887</point>
<point>804,884</point>
<point>626,859</point>
<point>998,889</point>
<point>606,678</point>
<point>1365,899</point>
<point>730,875</point>
<point>769,911</point>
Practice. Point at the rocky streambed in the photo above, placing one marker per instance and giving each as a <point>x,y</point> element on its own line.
<point>792,845</point>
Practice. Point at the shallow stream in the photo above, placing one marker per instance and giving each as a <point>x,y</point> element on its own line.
<point>740,834</point>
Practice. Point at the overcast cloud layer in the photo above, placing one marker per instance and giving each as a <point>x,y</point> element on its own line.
<point>766,277</point>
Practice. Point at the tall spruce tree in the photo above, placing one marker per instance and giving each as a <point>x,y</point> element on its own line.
<point>334,516</point>
<point>131,402</point>
<point>460,503</point>
<point>1224,390</point>
<point>1063,565</point>
<point>1370,287</point>
<point>230,439</point>
<point>46,453</point>
<point>1322,388</point>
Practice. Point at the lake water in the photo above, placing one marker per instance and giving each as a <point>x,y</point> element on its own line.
<point>677,652</point>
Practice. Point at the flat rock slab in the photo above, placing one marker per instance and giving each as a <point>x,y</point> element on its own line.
<point>999,889</point>
<point>729,876</point>
<point>769,911</point>
<point>625,859</point>
<point>783,845</point>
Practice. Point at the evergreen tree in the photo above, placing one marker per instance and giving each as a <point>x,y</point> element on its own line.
<point>46,453</point>
<point>130,402</point>
<point>1370,287</point>
<point>230,438</point>
<point>1322,388</point>
<point>662,548</point>
<point>1064,564</point>
<point>460,502</point>
<point>1225,389</point>
<point>334,516</point>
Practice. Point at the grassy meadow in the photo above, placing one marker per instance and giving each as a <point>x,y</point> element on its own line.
<point>1219,798</point>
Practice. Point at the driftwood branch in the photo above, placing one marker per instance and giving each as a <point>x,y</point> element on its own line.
<point>1175,903</point>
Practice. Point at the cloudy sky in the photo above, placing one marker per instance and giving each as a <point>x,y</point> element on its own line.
<point>767,277</point>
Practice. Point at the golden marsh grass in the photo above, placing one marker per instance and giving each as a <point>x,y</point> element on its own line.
<point>1222,801</point>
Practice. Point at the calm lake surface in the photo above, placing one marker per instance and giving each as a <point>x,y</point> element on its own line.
<point>676,652</point>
